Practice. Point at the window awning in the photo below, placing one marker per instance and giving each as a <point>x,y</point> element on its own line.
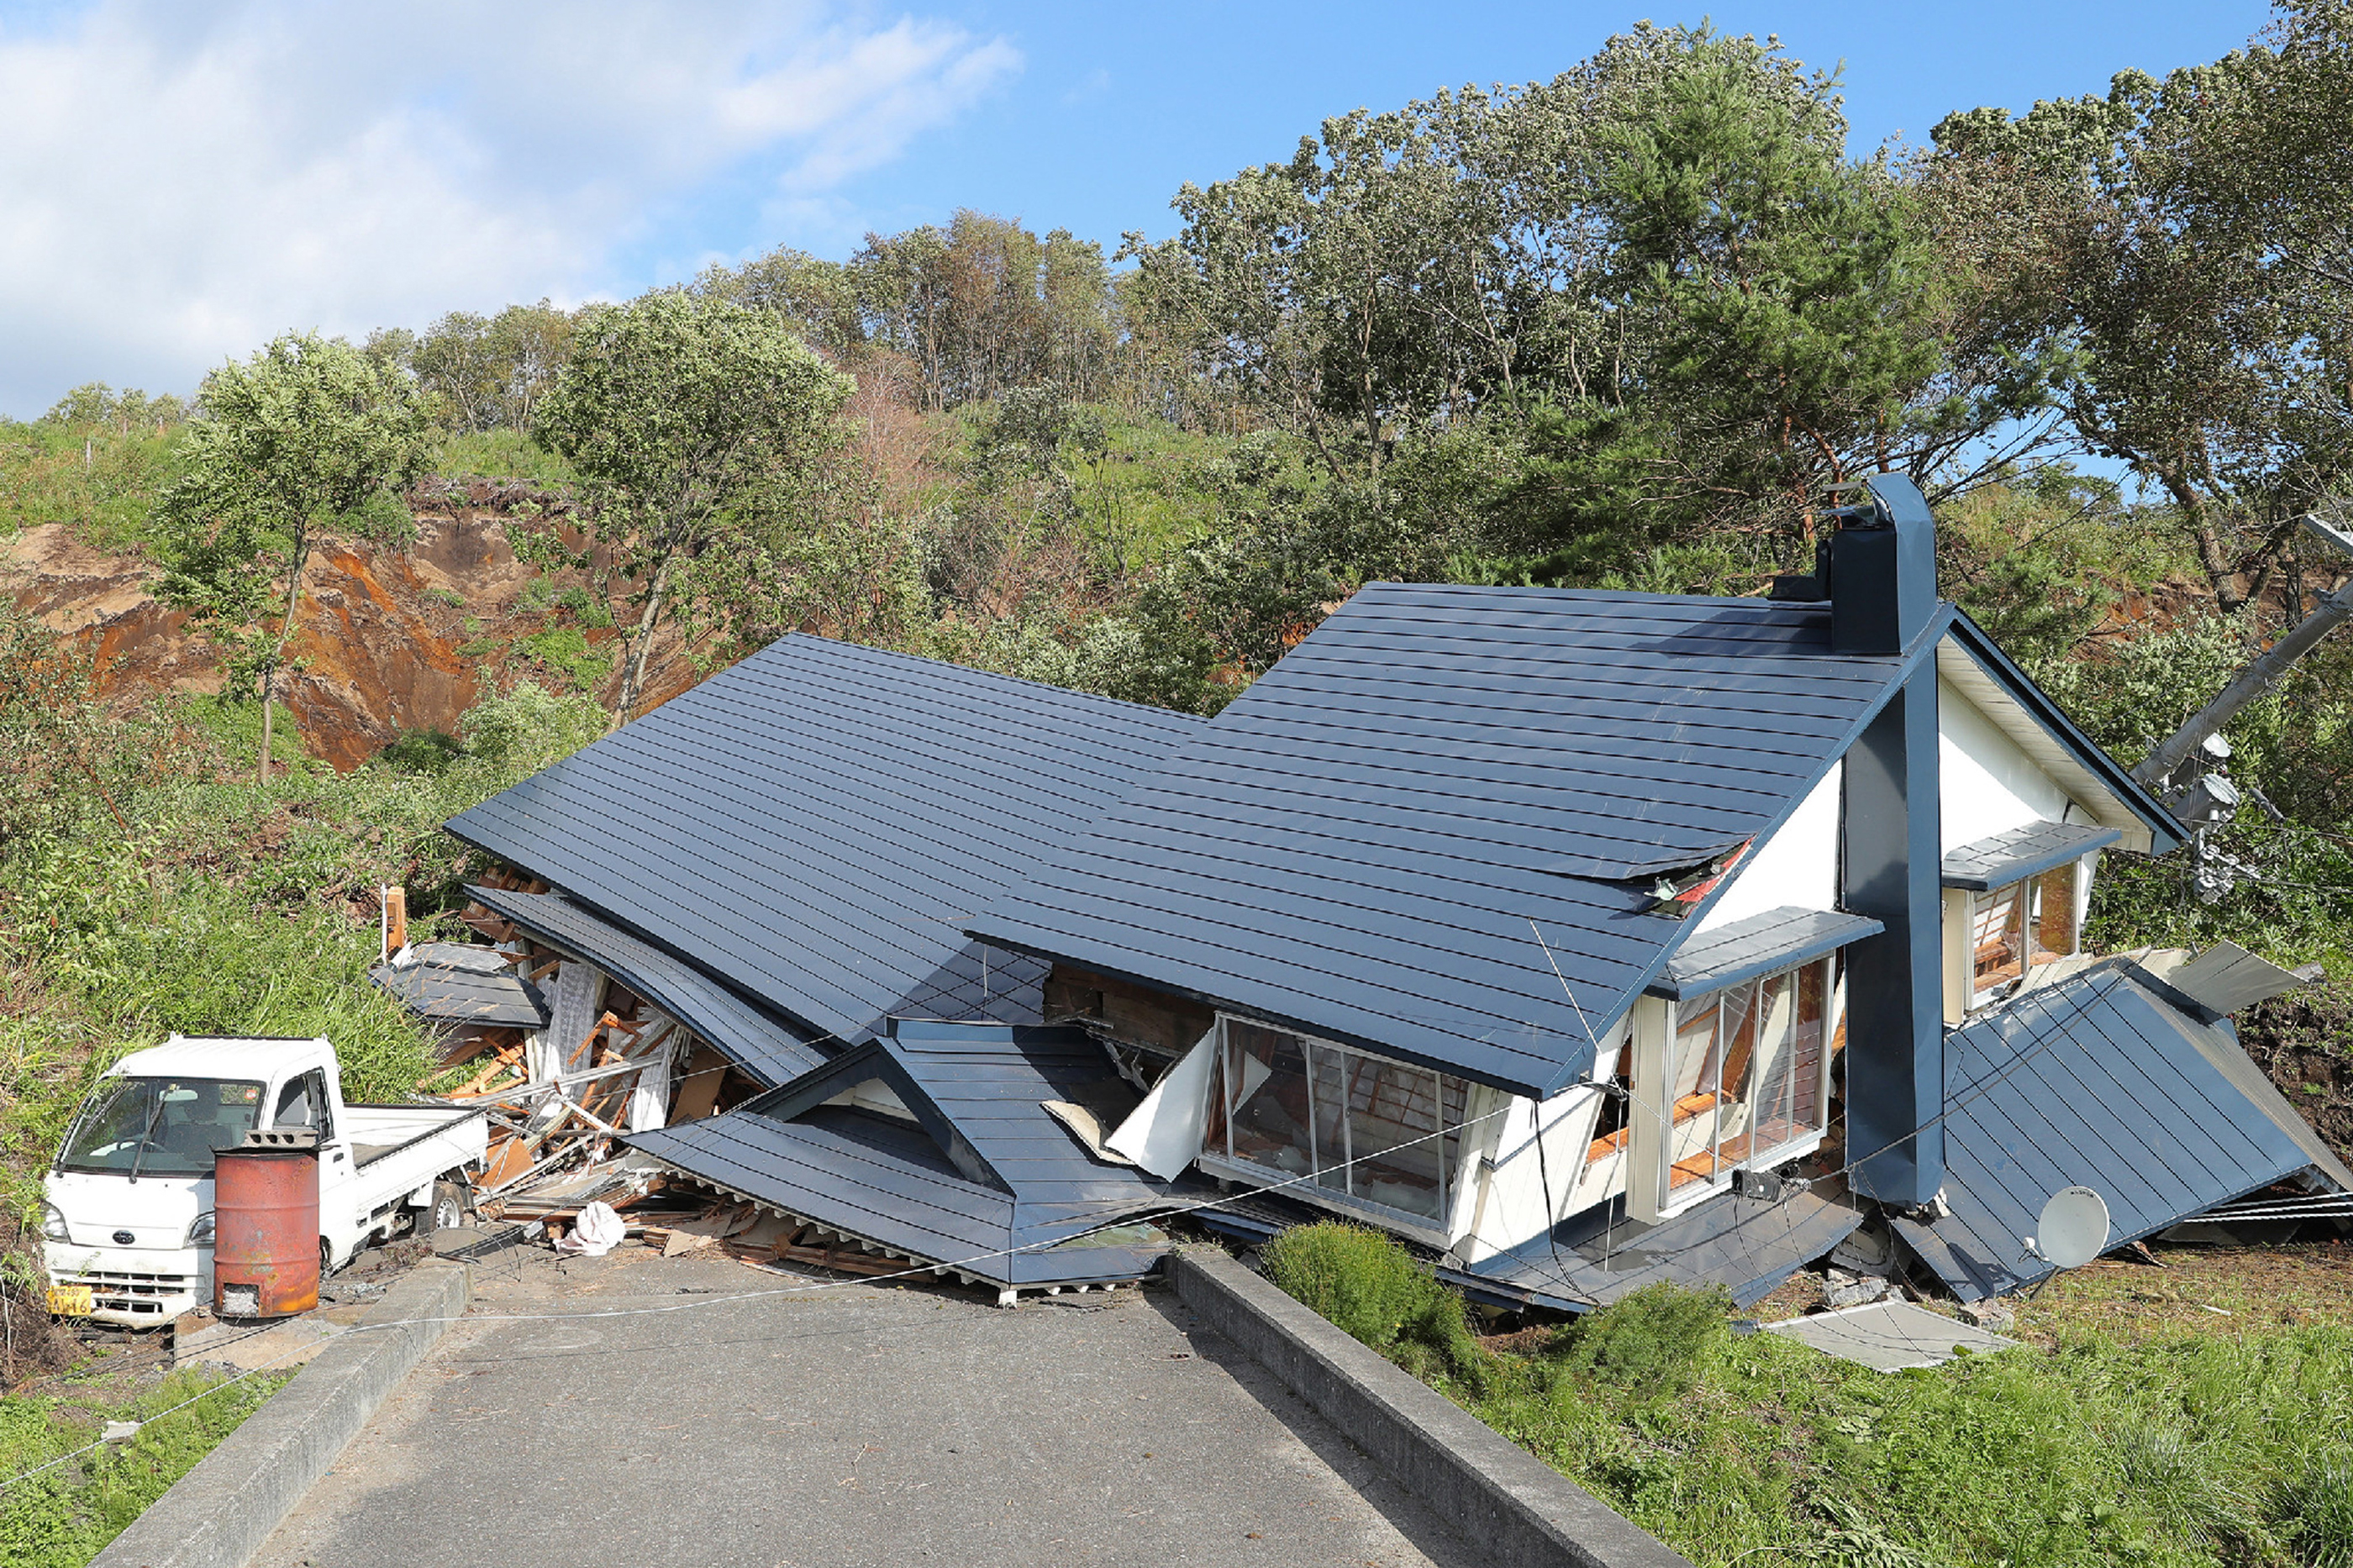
<point>1761,944</point>
<point>2018,853</point>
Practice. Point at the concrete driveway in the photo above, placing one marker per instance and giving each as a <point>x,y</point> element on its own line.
<point>858,1425</point>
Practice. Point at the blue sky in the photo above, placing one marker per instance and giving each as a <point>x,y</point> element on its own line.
<point>1114,107</point>
<point>182,183</point>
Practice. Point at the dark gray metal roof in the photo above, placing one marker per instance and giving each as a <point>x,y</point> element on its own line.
<point>1757,945</point>
<point>815,825</point>
<point>2227,977</point>
<point>2098,1080</point>
<point>988,1180</point>
<point>2023,852</point>
<point>450,984</point>
<point>1747,1245</point>
<point>770,1048</point>
<point>1359,844</point>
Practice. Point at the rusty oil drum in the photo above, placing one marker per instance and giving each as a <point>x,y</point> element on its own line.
<point>265,1226</point>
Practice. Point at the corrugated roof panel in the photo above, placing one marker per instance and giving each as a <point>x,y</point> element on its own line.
<point>451,990</point>
<point>2097,1082</point>
<point>769,1047</point>
<point>893,1185</point>
<point>1746,1245</point>
<point>815,825</point>
<point>1358,847</point>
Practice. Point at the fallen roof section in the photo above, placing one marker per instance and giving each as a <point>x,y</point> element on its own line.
<point>816,824</point>
<point>1889,1336</point>
<point>457,983</point>
<point>2227,977</point>
<point>770,1048</point>
<point>2099,1080</point>
<point>1749,1245</point>
<point>983,1182</point>
<point>1368,844</point>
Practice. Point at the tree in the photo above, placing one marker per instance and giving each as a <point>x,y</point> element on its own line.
<point>461,367</point>
<point>2198,237</point>
<point>690,422</point>
<point>307,435</point>
<point>528,345</point>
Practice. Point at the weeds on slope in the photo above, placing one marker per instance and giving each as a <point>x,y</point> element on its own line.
<point>2100,1445</point>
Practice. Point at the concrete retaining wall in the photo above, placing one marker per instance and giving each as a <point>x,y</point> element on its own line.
<point>1503,1500</point>
<point>219,1513</point>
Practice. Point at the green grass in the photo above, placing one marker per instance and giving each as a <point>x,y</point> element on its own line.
<point>231,907</point>
<point>44,478</point>
<point>2106,1440</point>
<point>501,455</point>
<point>64,1517</point>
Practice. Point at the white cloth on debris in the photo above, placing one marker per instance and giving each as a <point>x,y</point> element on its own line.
<point>596,1231</point>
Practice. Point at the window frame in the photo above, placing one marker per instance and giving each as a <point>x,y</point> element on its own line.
<point>2030,899</point>
<point>1651,1145</point>
<point>1455,1177</point>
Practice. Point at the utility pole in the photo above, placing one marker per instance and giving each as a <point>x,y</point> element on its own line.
<point>2187,768</point>
<point>2264,673</point>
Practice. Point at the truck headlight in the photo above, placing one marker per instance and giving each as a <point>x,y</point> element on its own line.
<point>201,1233</point>
<point>53,1223</point>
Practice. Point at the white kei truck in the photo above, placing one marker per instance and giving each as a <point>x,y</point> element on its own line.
<point>128,1227</point>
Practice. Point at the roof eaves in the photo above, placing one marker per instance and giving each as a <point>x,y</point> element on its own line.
<point>2166,833</point>
<point>1388,1049</point>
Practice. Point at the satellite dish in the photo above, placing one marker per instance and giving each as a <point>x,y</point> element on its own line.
<point>2072,1230</point>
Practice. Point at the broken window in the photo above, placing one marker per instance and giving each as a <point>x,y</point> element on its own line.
<point>2014,929</point>
<point>1361,1128</point>
<point>1746,1069</point>
<point>1604,1170</point>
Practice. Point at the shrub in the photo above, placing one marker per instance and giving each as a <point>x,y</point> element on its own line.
<point>1370,1285</point>
<point>421,751</point>
<point>1650,1343</point>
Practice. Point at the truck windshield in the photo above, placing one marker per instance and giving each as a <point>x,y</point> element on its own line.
<point>163,1126</point>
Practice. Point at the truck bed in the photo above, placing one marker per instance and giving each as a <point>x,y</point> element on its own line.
<point>400,1135</point>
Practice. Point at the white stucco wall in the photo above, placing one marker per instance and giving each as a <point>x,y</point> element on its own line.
<point>1799,865</point>
<point>1537,1139</point>
<point>1513,1207</point>
<point>1988,784</point>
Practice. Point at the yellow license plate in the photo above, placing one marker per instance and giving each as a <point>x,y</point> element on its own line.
<point>71,1300</point>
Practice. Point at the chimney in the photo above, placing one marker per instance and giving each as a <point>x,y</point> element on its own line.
<point>1880,571</point>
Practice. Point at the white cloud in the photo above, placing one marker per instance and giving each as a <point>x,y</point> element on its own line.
<point>178,183</point>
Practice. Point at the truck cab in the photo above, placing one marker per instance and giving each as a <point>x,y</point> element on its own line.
<point>128,1224</point>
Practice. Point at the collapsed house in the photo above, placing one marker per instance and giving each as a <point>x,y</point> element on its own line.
<point>1583,938</point>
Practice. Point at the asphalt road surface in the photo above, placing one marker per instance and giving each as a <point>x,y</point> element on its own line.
<point>857,1425</point>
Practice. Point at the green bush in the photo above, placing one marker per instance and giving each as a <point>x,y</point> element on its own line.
<point>422,751</point>
<point>1650,1343</point>
<point>1372,1288</point>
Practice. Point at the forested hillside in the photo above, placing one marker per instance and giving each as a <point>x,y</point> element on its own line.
<point>1633,326</point>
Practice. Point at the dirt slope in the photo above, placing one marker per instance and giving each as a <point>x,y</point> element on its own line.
<point>384,640</point>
